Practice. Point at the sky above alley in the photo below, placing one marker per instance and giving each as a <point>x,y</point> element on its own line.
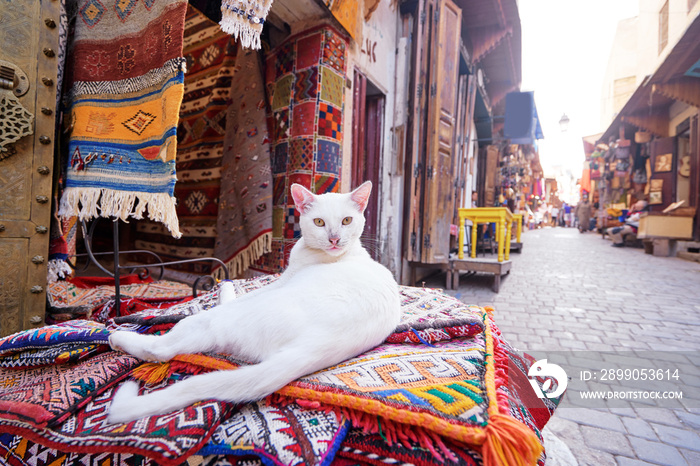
<point>566,46</point>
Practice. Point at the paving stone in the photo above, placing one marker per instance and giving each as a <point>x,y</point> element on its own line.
<point>689,419</point>
<point>622,461</point>
<point>639,428</point>
<point>591,417</point>
<point>607,440</point>
<point>658,416</point>
<point>692,457</point>
<point>656,452</point>
<point>678,437</point>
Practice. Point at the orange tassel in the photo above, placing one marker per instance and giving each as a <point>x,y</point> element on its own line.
<point>152,372</point>
<point>510,443</point>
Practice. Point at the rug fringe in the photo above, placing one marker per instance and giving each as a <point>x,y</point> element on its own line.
<point>246,257</point>
<point>239,25</point>
<point>85,203</point>
<point>58,269</point>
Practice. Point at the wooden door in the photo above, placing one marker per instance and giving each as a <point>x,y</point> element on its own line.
<point>28,75</point>
<point>439,176</point>
<point>431,146</point>
<point>663,171</point>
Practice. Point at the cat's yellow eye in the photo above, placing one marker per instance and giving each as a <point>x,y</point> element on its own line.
<point>347,220</point>
<point>319,222</point>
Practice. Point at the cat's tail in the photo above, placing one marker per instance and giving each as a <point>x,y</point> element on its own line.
<point>247,383</point>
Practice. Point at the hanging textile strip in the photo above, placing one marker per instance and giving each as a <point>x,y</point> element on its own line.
<point>244,224</point>
<point>126,88</point>
<point>244,20</point>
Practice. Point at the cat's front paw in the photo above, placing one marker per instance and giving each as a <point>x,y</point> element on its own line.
<point>142,346</point>
<point>227,292</point>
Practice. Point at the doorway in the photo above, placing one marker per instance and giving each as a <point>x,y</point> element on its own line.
<point>367,129</point>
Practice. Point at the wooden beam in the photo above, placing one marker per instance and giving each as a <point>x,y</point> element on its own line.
<point>684,89</point>
<point>655,124</point>
<point>486,39</point>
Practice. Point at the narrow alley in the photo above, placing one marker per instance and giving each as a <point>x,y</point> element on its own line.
<point>572,291</point>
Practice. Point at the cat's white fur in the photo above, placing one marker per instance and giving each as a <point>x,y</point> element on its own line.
<point>332,303</point>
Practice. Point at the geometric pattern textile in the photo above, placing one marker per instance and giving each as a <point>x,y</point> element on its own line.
<point>210,54</point>
<point>374,449</point>
<point>305,78</point>
<point>280,433</point>
<point>167,439</point>
<point>244,224</point>
<point>447,390</point>
<point>126,87</point>
<point>68,300</point>
<point>46,396</point>
<point>17,450</point>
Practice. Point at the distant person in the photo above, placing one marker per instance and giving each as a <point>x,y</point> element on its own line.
<point>617,234</point>
<point>475,199</point>
<point>583,213</point>
<point>567,215</point>
<point>555,215</point>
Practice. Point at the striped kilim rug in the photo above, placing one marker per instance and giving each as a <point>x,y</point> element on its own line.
<point>126,85</point>
<point>211,64</point>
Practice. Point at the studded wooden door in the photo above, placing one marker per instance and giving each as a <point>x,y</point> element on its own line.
<point>28,75</point>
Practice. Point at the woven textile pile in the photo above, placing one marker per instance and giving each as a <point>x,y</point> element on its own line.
<point>445,388</point>
<point>125,89</point>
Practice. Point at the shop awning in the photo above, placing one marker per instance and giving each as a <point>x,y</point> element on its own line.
<point>674,80</point>
<point>522,124</point>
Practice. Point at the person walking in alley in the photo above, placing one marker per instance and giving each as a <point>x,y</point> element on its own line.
<point>583,213</point>
<point>555,215</point>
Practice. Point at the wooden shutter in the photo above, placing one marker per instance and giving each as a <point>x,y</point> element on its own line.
<point>439,173</point>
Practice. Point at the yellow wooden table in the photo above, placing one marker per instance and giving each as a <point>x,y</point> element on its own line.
<point>518,219</point>
<point>501,216</point>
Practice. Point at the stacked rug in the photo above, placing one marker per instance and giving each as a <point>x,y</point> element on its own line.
<point>125,89</point>
<point>305,78</point>
<point>448,391</point>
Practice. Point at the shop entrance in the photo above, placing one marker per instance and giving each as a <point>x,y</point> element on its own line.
<point>367,125</point>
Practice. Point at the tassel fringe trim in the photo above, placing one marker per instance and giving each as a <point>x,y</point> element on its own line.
<point>246,257</point>
<point>58,269</point>
<point>244,20</point>
<point>89,203</point>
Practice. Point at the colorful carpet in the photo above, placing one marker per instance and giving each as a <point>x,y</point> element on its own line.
<point>68,300</point>
<point>418,451</point>
<point>54,344</point>
<point>305,79</point>
<point>168,440</point>
<point>211,65</point>
<point>281,433</point>
<point>39,397</point>
<point>244,226</point>
<point>126,85</point>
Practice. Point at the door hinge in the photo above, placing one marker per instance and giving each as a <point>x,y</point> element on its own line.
<point>437,14</point>
<point>422,18</point>
<point>430,173</point>
<point>433,89</point>
<point>426,241</point>
<point>417,168</point>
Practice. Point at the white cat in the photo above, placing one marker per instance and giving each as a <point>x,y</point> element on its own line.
<point>332,303</point>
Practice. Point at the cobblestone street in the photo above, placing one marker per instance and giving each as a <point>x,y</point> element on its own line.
<point>571,291</point>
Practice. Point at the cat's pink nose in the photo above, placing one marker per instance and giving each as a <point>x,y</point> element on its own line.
<point>334,241</point>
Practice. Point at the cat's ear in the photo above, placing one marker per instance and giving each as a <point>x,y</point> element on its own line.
<point>361,195</point>
<point>303,198</point>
